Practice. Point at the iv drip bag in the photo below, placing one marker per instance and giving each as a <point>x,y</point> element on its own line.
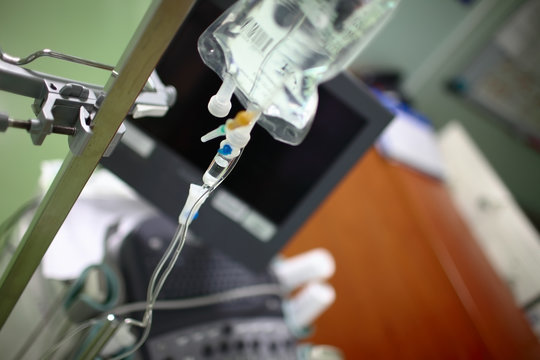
<point>277,52</point>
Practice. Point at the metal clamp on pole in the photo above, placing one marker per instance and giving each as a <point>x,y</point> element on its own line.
<point>63,106</point>
<point>82,132</point>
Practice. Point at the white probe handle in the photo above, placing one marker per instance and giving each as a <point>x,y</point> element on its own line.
<point>306,306</point>
<point>314,265</point>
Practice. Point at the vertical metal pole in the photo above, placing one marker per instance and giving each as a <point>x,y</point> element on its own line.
<point>152,37</point>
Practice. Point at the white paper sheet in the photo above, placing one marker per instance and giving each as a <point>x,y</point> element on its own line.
<point>412,142</point>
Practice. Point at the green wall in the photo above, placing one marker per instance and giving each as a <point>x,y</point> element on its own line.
<point>416,28</point>
<point>98,30</point>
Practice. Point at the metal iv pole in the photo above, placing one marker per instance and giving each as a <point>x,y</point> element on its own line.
<point>155,32</point>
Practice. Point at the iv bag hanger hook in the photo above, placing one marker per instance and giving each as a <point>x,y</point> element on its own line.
<point>50,53</point>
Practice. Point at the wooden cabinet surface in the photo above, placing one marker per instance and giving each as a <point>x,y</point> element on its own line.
<point>411,281</point>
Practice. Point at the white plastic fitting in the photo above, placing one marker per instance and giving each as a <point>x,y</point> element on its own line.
<point>314,265</point>
<point>217,132</point>
<point>306,306</point>
<point>220,104</point>
<point>195,192</point>
<point>239,137</point>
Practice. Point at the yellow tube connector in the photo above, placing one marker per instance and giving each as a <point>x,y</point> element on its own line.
<point>242,118</point>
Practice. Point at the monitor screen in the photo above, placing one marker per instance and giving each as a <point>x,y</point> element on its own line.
<point>275,186</point>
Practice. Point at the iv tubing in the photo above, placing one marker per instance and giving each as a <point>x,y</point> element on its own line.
<point>206,300</point>
<point>174,249</point>
<point>188,303</point>
<point>66,338</point>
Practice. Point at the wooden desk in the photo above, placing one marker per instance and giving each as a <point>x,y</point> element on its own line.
<point>411,281</point>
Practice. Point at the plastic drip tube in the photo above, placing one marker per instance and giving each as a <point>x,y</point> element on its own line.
<point>195,192</point>
<point>220,104</point>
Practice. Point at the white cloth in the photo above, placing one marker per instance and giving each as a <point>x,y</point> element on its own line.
<point>105,202</point>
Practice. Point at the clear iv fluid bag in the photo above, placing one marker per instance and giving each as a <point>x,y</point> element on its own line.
<point>277,52</point>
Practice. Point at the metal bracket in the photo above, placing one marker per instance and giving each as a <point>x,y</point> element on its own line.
<point>59,103</point>
<point>60,107</point>
<point>83,133</point>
